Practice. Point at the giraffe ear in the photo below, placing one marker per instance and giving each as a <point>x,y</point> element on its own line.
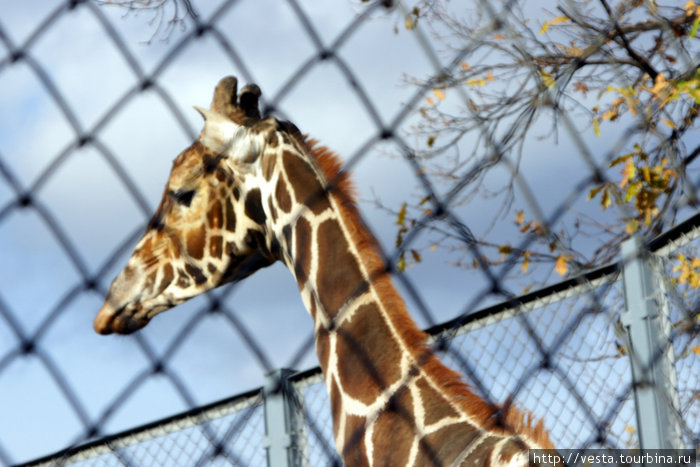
<point>219,131</point>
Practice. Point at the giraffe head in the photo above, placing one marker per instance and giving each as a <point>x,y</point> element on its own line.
<point>210,226</point>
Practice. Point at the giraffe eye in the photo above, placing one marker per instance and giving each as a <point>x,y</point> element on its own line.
<point>183,197</point>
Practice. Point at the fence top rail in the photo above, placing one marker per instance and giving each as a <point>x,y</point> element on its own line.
<point>151,430</point>
<point>664,243</point>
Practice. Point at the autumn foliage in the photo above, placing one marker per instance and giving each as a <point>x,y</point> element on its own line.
<point>618,76</point>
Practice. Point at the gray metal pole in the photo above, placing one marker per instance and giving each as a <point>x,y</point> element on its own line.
<point>284,421</point>
<point>651,353</point>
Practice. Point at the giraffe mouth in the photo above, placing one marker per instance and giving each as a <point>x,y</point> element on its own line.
<point>123,320</point>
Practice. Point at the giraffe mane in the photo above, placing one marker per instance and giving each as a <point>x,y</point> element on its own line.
<point>505,419</point>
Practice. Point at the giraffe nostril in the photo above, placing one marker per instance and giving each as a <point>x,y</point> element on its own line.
<point>102,323</point>
<point>105,320</point>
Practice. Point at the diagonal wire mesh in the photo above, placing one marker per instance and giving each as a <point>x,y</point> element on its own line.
<point>565,363</point>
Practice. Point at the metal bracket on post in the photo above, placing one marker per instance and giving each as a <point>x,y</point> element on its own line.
<point>646,320</point>
<point>284,420</point>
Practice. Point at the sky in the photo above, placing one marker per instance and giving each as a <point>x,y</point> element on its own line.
<point>96,213</point>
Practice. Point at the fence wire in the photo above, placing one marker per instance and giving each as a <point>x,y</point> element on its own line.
<point>564,359</point>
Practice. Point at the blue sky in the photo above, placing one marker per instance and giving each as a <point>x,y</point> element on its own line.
<point>97,213</point>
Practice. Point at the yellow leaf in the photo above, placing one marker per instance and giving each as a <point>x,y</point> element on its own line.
<point>519,217</point>
<point>611,115</point>
<point>430,101</point>
<point>439,93</point>
<point>465,66</point>
<point>669,123</point>
<point>402,215</point>
<point>694,29</point>
<point>605,200</point>
<point>696,349</point>
<point>552,22</point>
<point>526,261</point>
<point>416,256</point>
<point>631,226</point>
<point>630,429</point>
<point>489,76</point>
<point>594,191</point>
<point>547,78</point>
<point>632,190</point>
<point>561,265</point>
<point>499,36</point>
<point>619,160</point>
<point>596,126</point>
<point>628,172</point>
<point>411,21</point>
<point>504,249</point>
<point>401,264</point>
<point>476,82</point>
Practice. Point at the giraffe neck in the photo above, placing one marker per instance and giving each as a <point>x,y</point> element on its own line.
<point>392,401</point>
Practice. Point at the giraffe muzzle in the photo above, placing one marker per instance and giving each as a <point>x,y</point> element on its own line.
<point>119,321</point>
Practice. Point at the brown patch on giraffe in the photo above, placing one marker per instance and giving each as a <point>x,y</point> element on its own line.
<point>215,246</point>
<point>196,273</point>
<point>284,202</point>
<point>231,249</point>
<point>220,175</point>
<point>215,216</point>
<point>183,280</point>
<point>368,353</point>
<point>150,282</point>
<point>211,267</point>
<point>394,431</point>
<point>323,346</point>
<point>447,443</point>
<point>253,206</point>
<point>435,404</point>
<point>308,189</point>
<point>354,449</point>
<point>166,279</point>
<point>196,239</point>
<point>230,216</point>
<point>339,278</point>
<point>302,251</point>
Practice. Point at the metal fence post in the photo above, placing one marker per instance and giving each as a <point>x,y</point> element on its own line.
<point>648,327</point>
<point>284,420</point>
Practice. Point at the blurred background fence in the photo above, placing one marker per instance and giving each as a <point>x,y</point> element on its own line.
<point>585,394</point>
<point>91,119</point>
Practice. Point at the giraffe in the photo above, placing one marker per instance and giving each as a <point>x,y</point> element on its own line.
<point>251,191</point>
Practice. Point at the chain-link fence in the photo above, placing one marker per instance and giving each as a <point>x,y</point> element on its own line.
<point>560,352</point>
<point>573,323</point>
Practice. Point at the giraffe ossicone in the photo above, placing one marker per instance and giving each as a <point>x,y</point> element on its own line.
<point>251,191</point>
